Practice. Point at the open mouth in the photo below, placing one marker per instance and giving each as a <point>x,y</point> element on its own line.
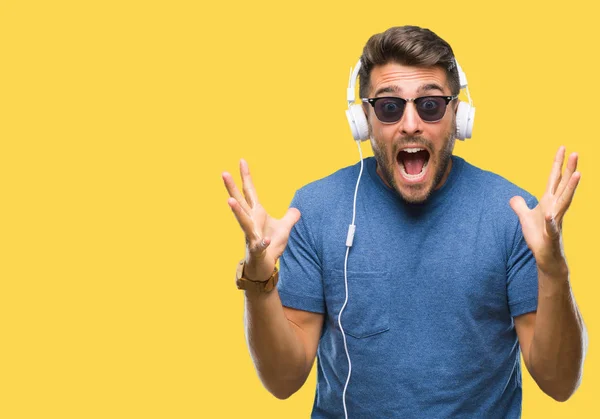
<point>413,163</point>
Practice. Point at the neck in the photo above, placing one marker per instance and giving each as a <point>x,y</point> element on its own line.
<point>445,177</point>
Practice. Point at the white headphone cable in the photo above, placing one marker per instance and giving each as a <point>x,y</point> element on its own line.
<point>349,240</point>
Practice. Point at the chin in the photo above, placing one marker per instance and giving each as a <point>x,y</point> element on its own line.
<point>412,167</point>
<point>414,194</point>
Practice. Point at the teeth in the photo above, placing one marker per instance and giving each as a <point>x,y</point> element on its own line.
<point>413,150</point>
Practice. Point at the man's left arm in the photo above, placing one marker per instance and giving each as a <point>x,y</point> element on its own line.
<point>554,339</point>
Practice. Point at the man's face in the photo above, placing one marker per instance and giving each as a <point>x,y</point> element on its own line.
<point>412,156</point>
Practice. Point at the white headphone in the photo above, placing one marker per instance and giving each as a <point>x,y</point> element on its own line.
<point>358,120</point>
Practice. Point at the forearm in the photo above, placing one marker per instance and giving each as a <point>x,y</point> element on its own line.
<point>278,353</point>
<point>559,342</point>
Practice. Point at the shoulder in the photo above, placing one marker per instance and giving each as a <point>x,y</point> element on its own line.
<point>319,192</point>
<point>495,189</point>
<point>487,196</point>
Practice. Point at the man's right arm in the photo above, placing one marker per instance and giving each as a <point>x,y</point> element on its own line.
<point>282,341</point>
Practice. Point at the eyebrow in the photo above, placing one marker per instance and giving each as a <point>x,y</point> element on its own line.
<point>431,86</point>
<point>398,90</point>
<point>388,89</point>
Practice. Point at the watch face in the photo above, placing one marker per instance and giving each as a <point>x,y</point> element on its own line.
<point>240,270</point>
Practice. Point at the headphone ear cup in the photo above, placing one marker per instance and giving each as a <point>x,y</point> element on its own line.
<point>465,116</point>
<point>358,123</point>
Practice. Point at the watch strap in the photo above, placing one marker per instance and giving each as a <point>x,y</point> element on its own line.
<point>258,286</point>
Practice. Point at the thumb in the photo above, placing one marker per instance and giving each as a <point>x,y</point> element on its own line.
<point>519,206</point>
<point>552,227</point>
<point>290,218</point>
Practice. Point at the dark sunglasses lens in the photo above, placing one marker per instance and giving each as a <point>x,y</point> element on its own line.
<point>389,109</point>
<point>431,109</point>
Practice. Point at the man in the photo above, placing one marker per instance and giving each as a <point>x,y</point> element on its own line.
<point>446,284</point>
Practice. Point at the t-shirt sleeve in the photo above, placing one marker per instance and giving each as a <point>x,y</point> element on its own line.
<point>300,283</point>
<point>522,280</point>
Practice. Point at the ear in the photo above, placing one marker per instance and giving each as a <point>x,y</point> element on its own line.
<point>455,104</point>
<point>367,108</point>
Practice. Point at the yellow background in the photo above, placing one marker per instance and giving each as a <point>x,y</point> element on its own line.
<point>118,249</point>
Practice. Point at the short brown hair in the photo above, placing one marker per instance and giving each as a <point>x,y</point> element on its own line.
<point>407,45</point>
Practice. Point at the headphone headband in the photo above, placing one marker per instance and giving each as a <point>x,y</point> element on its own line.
<point>352,83</point>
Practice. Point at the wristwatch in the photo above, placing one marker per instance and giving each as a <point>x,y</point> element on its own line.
<point>259,286</point>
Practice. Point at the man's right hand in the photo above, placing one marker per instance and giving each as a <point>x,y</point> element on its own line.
<point>266,237</point>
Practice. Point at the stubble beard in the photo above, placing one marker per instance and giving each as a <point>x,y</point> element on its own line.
<point>387,164</point>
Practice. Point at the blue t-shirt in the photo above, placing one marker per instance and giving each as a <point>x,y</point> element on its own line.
<point>433,289</point>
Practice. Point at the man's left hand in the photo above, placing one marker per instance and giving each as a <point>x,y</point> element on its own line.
<point>542,225</point>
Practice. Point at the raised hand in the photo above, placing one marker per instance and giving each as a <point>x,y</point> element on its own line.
<point>266,237</point>
<point>542,226</point>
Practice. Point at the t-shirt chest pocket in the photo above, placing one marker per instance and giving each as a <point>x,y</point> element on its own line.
<point>368,309</point>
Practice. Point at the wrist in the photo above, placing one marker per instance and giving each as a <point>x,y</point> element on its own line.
<point>255,295</point>
<point>244,282</point>
<point>256,272</point>
<point>554,271</point>
<point>552,285</point>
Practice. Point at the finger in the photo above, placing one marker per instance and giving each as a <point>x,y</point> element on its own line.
<point>569,170</point>
<point>290,218</point>
<point>564,201</point>
<point>552,226</point>
<point>256,247</point>
<point>244,220</point>
<point>234,191</point>
<point>519,206</point>
<point>555,173</point>
<point>247,184</point>
<point>288,221</point>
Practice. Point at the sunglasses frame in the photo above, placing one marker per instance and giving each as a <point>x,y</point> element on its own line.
<point>373,100</point>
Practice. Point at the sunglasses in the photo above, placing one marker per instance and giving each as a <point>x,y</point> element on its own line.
<point>389,110</point>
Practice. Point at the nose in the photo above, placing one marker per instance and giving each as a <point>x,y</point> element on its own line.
<point>411,123</point>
